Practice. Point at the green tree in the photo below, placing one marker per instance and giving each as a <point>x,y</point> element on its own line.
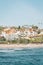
<point>19,27</point>
<point>35,27</point>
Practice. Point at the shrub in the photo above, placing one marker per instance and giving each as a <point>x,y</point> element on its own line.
<point>2,39</point>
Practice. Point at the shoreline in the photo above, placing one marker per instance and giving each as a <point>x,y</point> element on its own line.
<point>11,46</point>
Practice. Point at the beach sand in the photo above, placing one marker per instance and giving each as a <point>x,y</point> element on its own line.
<point>21,45</point>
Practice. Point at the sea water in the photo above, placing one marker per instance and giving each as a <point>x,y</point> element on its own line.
<point>23,56</point>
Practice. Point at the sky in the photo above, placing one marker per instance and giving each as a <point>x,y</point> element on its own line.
<point>21,12</point>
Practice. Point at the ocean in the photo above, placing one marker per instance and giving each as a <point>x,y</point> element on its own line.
<point>21,56</point>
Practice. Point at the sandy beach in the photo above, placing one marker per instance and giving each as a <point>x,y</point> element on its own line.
<point>21,46</point>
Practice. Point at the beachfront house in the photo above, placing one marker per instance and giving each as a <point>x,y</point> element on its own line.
<point>29,32</point>
<point>41,31</point>
<point>9,34</point>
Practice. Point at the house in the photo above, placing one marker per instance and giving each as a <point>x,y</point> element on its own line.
<point>9,34</point>
<point>29,32</point>
<point>41,31</point>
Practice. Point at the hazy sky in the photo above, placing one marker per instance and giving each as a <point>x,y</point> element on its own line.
<point>21,12</point>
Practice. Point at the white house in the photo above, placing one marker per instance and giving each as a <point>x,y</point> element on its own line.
<point>41,32</point>
<point>30,32</point>
<point>10,34</point>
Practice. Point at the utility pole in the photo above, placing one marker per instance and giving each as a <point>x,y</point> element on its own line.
<point>41,24</point>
